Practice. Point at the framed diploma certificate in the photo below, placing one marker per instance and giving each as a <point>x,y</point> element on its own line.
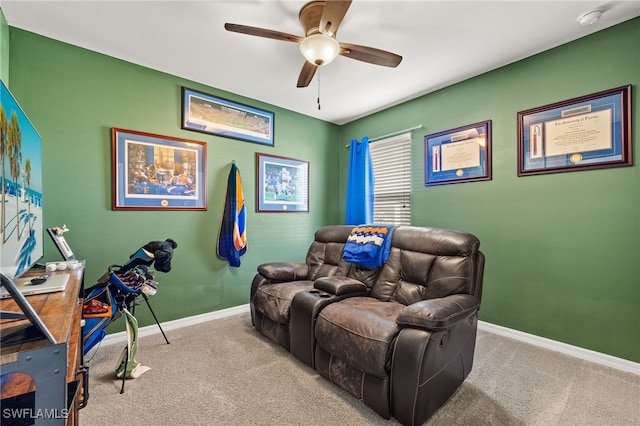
<point>458,155</point>
<point>588,132</point>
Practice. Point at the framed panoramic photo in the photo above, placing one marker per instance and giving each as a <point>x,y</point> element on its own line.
<point>221,117</point>
<point>155,172</point>
<point>282,184</point>
<point>588,132</point>
<point>458,155</point>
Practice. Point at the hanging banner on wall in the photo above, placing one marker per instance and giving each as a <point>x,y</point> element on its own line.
<point>232,240</point>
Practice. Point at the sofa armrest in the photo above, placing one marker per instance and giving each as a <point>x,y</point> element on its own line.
<point>340,285</point>
<point>284,271</point>
<point>438,314</point>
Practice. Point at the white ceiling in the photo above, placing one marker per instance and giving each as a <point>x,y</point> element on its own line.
<point>442,42</point>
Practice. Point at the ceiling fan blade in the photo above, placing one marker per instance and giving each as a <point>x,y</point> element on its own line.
<point>262,32</point>
<point>307,73</point>
<point>332,15</point>
<point>370,55</point>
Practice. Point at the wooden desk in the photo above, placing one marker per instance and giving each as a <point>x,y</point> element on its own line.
<point>51,370</point>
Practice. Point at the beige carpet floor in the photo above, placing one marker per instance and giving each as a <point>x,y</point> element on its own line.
<point>222,372</point>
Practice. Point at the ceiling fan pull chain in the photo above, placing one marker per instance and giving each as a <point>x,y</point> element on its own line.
<point>318,88</point>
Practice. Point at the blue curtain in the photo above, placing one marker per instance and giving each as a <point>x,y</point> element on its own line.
<point>359,184</point>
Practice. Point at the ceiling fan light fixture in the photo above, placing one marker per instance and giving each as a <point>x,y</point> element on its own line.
<point>319,49</point>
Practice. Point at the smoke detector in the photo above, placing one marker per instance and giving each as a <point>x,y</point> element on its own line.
<point>589,17</point>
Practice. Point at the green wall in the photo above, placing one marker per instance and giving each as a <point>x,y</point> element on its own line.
<point>74,97</point>
<point>563,250</point>
<point>4,49</point>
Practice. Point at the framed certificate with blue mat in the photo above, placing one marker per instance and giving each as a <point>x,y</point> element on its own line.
<point>458,155</point>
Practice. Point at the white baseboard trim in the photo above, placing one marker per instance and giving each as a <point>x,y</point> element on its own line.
<point>574,351</point>
<point>148,330</point>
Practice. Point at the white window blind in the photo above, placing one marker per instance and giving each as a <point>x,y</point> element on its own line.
<point>391,159</point>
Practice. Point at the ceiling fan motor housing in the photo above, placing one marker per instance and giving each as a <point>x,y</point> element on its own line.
<point>310,16</point>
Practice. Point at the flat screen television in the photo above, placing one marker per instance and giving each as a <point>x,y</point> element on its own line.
<point>21,224</point>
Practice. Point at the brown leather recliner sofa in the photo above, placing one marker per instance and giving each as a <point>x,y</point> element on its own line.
<point>400,337</point>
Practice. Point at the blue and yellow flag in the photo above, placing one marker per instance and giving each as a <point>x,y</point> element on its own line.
<point>232,240</point>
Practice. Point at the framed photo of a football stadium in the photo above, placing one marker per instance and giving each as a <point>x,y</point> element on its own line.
<point>155,172</point>
<point>221,117</point>
<point>282,184</point>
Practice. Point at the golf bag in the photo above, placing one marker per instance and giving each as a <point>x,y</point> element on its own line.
<point>117,291</point>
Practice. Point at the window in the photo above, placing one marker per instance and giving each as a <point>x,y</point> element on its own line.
<point>391,159</point>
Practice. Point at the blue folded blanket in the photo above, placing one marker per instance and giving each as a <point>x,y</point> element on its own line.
<point>368,245</point>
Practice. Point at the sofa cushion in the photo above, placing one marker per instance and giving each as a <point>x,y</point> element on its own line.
<point>427,263</point>
<point>360,331</point>
<point>324,256</point>
<point>364,275</point>
<point>274,300</point>
<point>325,260</point>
